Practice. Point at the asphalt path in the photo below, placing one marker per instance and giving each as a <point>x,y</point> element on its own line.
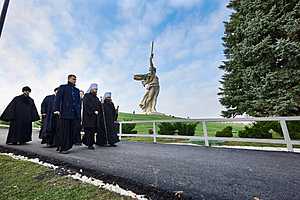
<point>199,172</point>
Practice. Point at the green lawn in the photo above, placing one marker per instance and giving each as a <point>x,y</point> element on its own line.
<point>25,180</point>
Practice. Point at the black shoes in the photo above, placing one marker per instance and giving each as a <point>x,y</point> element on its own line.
<point>91,148</point>
<point>64,152</point>
<point>50,146</point>
<point>12,143</point>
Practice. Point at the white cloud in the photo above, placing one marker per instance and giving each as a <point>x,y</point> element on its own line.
<point>195,101</point>
<point>184,3</point>
<point>192,80</point>
<point>129,9</point>
<point>29,35</point>
<point>31,54</point>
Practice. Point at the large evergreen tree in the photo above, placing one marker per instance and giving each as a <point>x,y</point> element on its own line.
<point>262,66</point>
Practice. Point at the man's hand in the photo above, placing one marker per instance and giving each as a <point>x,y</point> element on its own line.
<point>57,113</point>
<point>96,112</point>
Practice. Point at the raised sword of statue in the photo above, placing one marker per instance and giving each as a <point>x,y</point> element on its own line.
<point>152,45</point>
<point>141,77</point>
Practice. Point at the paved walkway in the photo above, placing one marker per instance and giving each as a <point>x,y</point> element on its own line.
<point>200,172</point>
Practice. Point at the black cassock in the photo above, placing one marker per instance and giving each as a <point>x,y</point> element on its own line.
<point>68,103</point>
<point>48,132</point>
<point>91,104</point>
<point>107,133</point>
<point>20,112</point>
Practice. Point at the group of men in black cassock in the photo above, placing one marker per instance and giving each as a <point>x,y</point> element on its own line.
<point>62,119</point>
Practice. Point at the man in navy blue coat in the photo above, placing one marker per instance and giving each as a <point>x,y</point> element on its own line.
<point>68,107</point>
<point>48,132</point>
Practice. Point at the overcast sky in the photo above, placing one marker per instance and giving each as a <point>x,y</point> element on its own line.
<point>107,42</point>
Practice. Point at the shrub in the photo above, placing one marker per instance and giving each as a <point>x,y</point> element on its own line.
<point>187,129</point>
<point>180,128</point>
<point>257,130</point>
<point>293,127</point>
<point>226,132</point>
<point>128,129</point>
<point>150,131</point>
<point>166,128</point>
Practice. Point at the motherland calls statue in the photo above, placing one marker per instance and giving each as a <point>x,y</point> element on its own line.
<point>151,83</point>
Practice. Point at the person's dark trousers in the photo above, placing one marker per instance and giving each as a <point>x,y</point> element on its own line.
<point>67,129</point>
<point>77,136</point>
<point>50,139</point>
<point>54,139</point>
<point>89,136</point>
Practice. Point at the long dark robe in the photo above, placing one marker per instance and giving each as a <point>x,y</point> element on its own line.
<point>106,130</point>
<point>68,103</point>
<point>91,104</point>
<point>20,112</point>
<point>48,132</point>
<point>67,130</point>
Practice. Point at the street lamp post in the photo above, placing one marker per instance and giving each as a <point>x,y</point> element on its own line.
<point>3,14</point>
